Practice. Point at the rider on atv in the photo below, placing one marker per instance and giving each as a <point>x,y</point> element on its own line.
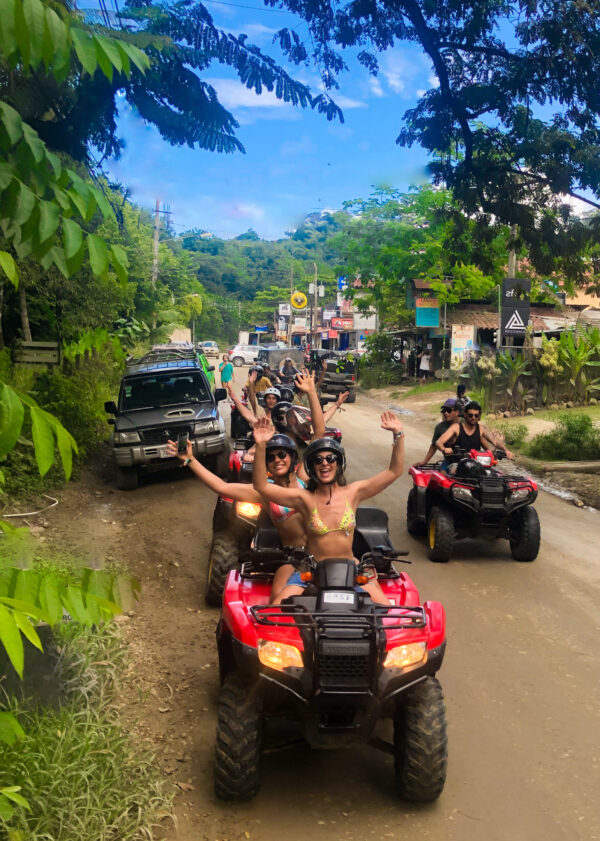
<point>450,416</point>
<point>470,435</point>
<point>327,497</point>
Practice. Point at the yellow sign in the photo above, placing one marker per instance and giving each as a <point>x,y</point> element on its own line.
<point>298,300</point>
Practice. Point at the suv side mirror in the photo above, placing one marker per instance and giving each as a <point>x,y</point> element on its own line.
<point>220,394</point>
<point>111,407</point>
<point>211,368</point>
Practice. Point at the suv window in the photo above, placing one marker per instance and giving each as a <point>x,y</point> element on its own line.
<point>158,390</point>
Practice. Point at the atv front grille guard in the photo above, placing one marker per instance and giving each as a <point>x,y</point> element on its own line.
<point>284,616</point>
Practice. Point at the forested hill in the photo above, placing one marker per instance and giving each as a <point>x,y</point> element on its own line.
<point>243,266</point>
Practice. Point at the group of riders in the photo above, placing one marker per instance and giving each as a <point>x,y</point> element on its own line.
<point>310,501</point>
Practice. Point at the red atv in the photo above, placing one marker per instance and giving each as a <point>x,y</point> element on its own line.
<point>333,662</point>
<point>478,500</point>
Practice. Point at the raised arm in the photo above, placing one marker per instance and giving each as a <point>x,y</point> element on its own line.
<point>305,382</point>
<point>330,412</point>
<point>252,377</point>
<point>243,410</point>
<point>366,488</point>
<point>291,497</point>
<point>234,490</point>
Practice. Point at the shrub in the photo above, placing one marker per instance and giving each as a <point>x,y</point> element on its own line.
<point>513,434</point>
<point>377,376</point>
<point>574,438</point>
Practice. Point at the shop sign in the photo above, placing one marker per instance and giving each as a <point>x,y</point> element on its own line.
<point>427,316</point>
<point>285,309</point>
<point>463,337</point>
<point>346,323</point>
<point>332,334</point>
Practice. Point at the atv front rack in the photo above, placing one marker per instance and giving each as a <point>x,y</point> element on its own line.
<point>284,616</point>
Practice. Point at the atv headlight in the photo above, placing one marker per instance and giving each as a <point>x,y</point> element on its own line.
<point>278,655</point>
<point>460,492</point>
<point>248,509</point>
<point>485,460</point>
<point>127,437</point>
<point>520,495</point>
<point>403,656</point>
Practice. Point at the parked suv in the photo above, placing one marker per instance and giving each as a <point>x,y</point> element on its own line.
<point>243,353</point>
<point>209,349</point>
<point>160,398</point>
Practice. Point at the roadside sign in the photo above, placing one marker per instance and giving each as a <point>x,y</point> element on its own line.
<point>515,305</point>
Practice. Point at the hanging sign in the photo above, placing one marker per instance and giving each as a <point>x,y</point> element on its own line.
<point>298,300</point>
<point>515,305</point>
<point>342,323</point>
<point>285,309</point>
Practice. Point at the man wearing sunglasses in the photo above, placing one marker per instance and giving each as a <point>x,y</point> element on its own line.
<point>470,435</point>
<point>450,416</point>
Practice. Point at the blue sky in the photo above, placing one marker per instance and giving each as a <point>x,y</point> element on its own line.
<point>296,162</point>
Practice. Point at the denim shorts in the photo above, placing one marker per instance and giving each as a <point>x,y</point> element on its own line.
<point>295,581</point>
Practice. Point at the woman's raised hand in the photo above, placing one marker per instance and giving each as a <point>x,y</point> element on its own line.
<point>305,381</point>
<point>263,430</point>
<point>391,421</point>
<point>173,452</point>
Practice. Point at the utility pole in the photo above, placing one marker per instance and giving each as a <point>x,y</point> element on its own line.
<point>291,293</point>
<point>316,292</point>
<point>155,255</point>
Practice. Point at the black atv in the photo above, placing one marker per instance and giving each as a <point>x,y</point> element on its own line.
<point>477,500</point>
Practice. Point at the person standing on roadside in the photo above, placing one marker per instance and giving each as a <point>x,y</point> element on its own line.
<point>226,371</point>
<point>424,366</point>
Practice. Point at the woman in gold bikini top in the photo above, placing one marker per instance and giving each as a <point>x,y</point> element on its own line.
<point>328,503</point>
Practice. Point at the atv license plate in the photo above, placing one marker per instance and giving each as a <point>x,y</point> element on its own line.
<point>338,598</point>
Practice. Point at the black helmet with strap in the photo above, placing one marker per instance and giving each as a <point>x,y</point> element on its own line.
<point>319,445</point>
<point>283,442</point>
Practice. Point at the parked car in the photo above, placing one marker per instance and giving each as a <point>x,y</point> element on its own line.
<point>240,354</point>
<point>162,399</point>
<point>274,356</point>
<point>209,349</point>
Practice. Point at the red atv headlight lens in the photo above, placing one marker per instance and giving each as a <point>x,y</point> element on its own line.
<point>278,655</point>
<point>403,656</point>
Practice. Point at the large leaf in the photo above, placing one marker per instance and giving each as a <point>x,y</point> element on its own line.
<point>73,238</point>
<point>98,254</point>
<point>85,48</point>
<point>11,419</point>
<point>66,445</point>
<point>11,123</point>
<point>49,220</point>
<point>43,440</point>
<point>9,267</point>
<point>50,601</point>
<point>10,637</point>
<point>10,729</point>
<point>12,793</point>
<point>27,629</point>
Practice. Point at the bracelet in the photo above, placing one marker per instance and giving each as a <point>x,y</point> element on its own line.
<point>186,462</point>
<point>397,436</point>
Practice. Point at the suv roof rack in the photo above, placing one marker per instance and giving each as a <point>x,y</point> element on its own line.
<point>164,355</point>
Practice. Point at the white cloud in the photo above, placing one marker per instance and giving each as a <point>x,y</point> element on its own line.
<point>405,71</point>
<point>347,102</point>
<point>233,94</point>
<point>302,146</point>
<point>375,86</point>
<point>245,210</point>
<point>256,32</point>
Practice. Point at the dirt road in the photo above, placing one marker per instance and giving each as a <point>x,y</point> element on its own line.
<point>520,675</point>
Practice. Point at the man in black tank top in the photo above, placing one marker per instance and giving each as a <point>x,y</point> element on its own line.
<point>470,435</point>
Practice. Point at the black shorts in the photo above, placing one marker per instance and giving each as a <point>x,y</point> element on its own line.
<point>424,374</point>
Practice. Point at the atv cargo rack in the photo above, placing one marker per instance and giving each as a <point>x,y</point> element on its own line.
<point>298,615</point>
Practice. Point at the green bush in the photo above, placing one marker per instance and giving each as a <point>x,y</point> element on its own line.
<point>378,376</point>
<point>574,438</point>
<point>513,434</point>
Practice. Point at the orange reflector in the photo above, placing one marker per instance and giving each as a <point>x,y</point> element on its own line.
<point>361,579</point>
<point>306,576</point>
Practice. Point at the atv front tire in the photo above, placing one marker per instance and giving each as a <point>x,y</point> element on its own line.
<point>525,534</point>
<point>127,478</point>
<point>223,558</point>
<point>414,524</point>
<point>239,739</point>
<point>420,742</point>
<point>440,534</point>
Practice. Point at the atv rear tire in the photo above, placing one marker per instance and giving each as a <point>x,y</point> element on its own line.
<point>420,742</point>
<point>127,478</point>
<point>414,525</point>
<point>239,738</point>
<point>440,534</point>
<point>223,558</point>
<point>525,534</point>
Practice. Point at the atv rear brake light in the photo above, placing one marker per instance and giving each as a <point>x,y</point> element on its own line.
<point>461,492</point>
<point>403,656</point>
<point>278,655</point>
<point>248,509</point>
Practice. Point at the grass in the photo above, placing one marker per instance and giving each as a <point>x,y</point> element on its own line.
<point>574,438</point>
<point>78,766</point>
<point>429,388</point>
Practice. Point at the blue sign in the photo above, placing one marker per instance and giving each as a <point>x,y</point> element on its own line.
<point>261,329</point>
<point>428,317</point>
<point>342,283</point>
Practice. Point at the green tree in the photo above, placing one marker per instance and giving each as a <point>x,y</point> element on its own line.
<point>512,120</point>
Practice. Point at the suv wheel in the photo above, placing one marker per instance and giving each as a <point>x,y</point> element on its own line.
<point>440,534</point>
<point>127,478</point>
<point>239,739</point>
<point>420,742</point>
<point>351,397</point>
<point>238,361</point>
<point>223,558</point>
<point>525,534</point>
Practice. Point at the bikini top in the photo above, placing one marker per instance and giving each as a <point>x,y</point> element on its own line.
<point>347,523</point>
<point>282,512</point>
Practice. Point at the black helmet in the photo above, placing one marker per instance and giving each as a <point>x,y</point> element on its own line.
<point>468,468</point>
<point>259,370</point>
<point>283,442</point>
<point>279,411</point>
<point>317,446</point>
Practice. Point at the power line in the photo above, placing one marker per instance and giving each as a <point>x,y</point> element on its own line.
<point>242,6</point>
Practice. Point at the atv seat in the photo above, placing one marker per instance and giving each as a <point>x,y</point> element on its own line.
<point>371,530</point>
<point>267,536</point>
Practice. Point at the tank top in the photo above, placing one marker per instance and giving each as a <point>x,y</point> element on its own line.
<point>469,442</point>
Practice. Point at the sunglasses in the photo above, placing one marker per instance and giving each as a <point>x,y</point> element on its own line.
<point>474,415</point>
<point>447,411</point>
<point>280,454</point>
<point>329,458</point>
